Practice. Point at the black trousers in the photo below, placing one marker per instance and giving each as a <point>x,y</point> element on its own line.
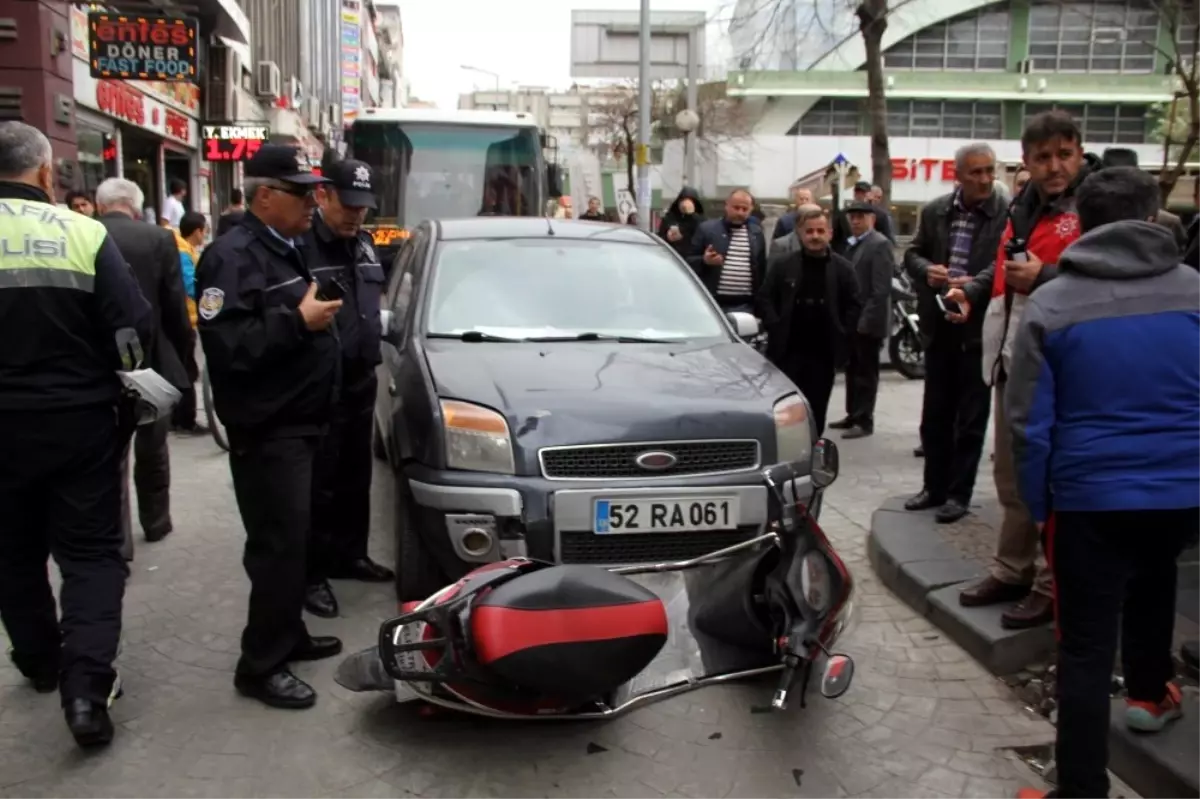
<point>60,488</point>
<point>1114,574</point>
<point>184,415</point>
<point>342,483</point>
<point>272,480</point>
<point>152,477</point>
<point>954,416</point>
<point>862,379</point>
<point>813,374</point>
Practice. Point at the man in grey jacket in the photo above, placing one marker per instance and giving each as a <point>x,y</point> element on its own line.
<point>871,256</point>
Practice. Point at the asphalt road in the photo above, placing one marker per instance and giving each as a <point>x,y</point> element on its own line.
<point>922,719</point>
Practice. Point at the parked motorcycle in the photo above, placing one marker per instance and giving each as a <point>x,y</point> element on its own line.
<point>905,351</point>
<point>524,639</point>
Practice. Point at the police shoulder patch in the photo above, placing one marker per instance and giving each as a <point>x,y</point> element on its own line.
<point>211,303</point>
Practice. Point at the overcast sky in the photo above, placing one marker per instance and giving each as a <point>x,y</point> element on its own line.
<point>526,42</point>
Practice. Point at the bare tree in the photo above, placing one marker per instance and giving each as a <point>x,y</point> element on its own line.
<point>872,22</point>
<point>1180,125</point>
<point>613,118</point>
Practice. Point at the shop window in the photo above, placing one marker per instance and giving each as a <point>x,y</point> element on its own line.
<point>944,119</point>
<point>1093,35</point>
<point>1101,124</point>
<point>829,117</point>
<point>973,41</point>
<point>97,156</point>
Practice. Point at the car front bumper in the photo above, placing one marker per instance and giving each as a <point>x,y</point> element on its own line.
<point>553,519</point>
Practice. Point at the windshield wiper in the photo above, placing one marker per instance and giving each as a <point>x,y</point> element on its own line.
<point>471,336</point>
<point>602,337</point>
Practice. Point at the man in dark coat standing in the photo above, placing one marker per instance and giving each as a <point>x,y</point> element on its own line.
<point>956,239</point>
<point>809,304</point>
<point>871,256</point>
<point>152,254</point>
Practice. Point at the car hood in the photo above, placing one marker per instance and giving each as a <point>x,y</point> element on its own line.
<point>597,392</point>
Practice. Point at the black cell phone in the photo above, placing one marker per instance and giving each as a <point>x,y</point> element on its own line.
<point>332,291</point>
<point>946,305</point>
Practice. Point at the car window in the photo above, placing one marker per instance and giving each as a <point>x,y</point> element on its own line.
<point>406,268</point>
<point>403,258</point>
<point>520,288</point>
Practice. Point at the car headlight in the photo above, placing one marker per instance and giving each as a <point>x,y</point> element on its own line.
<point>477,438</point>
<point>816,582</point>
<point>793,430</point>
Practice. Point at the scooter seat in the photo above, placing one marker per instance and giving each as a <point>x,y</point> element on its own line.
<point>568,631</point>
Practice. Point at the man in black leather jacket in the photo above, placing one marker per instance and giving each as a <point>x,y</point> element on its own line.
<point>956,239</point>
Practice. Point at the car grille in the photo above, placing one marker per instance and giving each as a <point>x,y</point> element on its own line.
<point>579,547</point>
<point>617,461</point>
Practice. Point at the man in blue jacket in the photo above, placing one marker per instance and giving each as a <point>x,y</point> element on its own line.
<point>1104,402</point>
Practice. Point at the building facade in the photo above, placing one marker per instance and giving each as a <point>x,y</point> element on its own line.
<point>956,71</point>
<point>394,82</point>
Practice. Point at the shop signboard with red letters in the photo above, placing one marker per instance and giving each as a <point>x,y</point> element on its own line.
<point>122,100</point>
<point>230,142</point>
<point>142,47</point>
<point>927,170</point>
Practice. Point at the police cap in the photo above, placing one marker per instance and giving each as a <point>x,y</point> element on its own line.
<point>354,182</point>
<point>282,162</point>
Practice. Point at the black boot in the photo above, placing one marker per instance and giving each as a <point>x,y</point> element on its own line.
<point>89,722</point>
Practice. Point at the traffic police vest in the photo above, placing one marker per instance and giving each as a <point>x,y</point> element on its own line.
<point>43,246</point>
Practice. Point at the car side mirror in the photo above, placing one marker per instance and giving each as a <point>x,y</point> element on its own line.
<point>746,324</point>
<point>825,464</point>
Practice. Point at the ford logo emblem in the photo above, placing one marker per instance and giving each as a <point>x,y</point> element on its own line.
<point>656,461</point>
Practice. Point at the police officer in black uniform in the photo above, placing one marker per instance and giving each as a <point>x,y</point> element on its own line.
<point>345,264</point>
<point>274,360</point>
<point>71,315</point>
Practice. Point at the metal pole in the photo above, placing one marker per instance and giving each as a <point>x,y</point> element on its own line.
<point>643,154</point>
<point>693,80</point>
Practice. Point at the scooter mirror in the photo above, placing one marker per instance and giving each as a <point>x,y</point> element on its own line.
<point>839,671</point>
<point>825,463</point>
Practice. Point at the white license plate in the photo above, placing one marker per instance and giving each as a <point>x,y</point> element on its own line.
<point>665,515</point>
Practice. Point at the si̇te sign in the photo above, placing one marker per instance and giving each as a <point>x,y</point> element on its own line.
<point>924,169</point>
<point>143,47</point>
<point>229,143</point>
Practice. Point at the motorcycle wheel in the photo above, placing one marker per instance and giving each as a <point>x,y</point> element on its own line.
<point>906,354</point>
<point>210,412</point>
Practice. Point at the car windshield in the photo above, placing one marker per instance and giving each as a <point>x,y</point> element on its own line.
<point>565,288</point>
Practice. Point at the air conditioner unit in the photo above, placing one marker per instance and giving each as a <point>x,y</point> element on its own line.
<point>333,116</point>
<point>312,113</point>
<point>268,83</point>
<point>295,92</point>
<point>1025,66</point>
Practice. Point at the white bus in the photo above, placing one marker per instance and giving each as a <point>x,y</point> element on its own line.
<point>432,164</point>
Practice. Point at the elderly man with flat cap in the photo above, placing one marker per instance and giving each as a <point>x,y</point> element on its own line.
<point>271,346</point>
<point>345,264</point>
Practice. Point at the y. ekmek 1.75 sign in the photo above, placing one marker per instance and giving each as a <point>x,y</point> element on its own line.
<point>143,47</point>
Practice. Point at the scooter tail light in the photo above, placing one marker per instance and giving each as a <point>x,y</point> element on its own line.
<point>839,614</point>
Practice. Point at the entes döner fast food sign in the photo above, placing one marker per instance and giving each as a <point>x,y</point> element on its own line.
<point>142,47</point>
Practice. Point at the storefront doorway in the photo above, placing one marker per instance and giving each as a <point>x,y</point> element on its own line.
<point>178,166</point>
<point>140,153</point>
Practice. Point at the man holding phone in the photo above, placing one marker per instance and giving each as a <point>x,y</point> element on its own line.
<point>956,239</point>
<point>1042,223</point>
<point>347,268</point>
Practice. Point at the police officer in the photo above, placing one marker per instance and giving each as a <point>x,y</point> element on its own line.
<point>346,261</point>
<point>273,357</point>
<point>71,315</point>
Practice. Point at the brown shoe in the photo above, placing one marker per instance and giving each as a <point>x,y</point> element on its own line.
<point>1033,611</point>
<point>991,591</point>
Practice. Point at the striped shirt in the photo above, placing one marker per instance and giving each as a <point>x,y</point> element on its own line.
<point>736,277</point>
<point>963,222</point>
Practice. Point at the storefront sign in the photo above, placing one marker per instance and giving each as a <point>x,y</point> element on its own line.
<point>148,47</point>
<point>351,59</point>
<point>928,170</point>
<point>126,102</point>
<point>232,142</point>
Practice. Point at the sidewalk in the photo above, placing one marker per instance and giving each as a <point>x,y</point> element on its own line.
<point>927,565</point>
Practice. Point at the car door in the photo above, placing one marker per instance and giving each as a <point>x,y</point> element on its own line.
<point>397,300</point>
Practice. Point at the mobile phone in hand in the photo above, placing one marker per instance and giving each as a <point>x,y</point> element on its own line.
<point>332,291</point>
<point>947,306</point>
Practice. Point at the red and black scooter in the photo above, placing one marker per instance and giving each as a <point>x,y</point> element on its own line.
<point>524,639</point>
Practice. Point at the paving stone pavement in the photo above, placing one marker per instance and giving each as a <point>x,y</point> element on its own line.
<point>922,718</point>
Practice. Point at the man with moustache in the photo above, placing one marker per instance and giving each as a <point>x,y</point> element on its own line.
<point>809,304</point>
<point>956,239</point>
<point>273,357</point>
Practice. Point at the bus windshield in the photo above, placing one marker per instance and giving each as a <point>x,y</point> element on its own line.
<point>443,170</point>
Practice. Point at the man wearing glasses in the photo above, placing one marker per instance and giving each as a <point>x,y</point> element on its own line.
<point>273,356</point>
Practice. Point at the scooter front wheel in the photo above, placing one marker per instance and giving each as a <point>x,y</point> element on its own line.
<point>905,353</point>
